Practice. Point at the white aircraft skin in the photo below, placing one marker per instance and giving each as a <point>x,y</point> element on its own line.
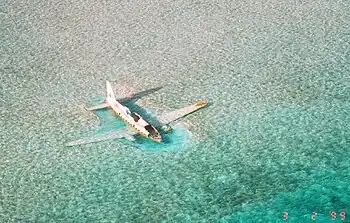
<point>134,120</point>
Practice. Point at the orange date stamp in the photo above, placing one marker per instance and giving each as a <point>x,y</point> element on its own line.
<point>333,215</point>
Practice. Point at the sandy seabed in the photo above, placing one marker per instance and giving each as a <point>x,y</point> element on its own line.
<point>275,139</point>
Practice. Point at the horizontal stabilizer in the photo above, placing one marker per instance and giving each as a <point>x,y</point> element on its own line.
<point>99,138</point>
<point>174,115</point>
<point>101,106</point>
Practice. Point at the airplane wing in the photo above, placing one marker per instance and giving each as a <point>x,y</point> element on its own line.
<point>121,133</point>
<point>169,117</point>
<point>105,105</point>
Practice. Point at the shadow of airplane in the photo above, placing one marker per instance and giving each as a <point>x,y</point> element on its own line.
<point>131,100</point>
<point>135,97</point>
<point>146,115</point>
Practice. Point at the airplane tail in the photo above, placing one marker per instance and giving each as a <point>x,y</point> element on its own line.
<point>110,93</point>
<point>110,99</point>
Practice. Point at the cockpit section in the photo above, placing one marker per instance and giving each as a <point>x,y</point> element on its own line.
<point>152,131</point>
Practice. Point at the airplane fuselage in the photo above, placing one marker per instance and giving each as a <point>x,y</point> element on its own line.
<point>134,120</point>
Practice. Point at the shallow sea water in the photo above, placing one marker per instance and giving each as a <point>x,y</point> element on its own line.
<point>176,139</point>
<point>275,138</point>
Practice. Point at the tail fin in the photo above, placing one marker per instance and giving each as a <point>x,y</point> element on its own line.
<point>110,93</point>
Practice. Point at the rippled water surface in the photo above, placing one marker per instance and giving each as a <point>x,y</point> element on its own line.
<point>275,138</point>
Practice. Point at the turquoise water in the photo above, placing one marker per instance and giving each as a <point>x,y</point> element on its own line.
<point>174,140</point>
<point>275,138</point>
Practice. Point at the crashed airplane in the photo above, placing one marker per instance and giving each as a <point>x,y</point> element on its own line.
<point>135,123</point>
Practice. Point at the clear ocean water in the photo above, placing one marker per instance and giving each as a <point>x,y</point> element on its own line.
<point>275,138</point>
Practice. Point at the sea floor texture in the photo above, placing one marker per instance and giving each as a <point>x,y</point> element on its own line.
<point>275,139</point>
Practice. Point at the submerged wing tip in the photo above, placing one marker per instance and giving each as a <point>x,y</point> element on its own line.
<point>201,103</point>
<point>70,144</point>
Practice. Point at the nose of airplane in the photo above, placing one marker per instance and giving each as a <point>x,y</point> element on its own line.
<point>158,139</point>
